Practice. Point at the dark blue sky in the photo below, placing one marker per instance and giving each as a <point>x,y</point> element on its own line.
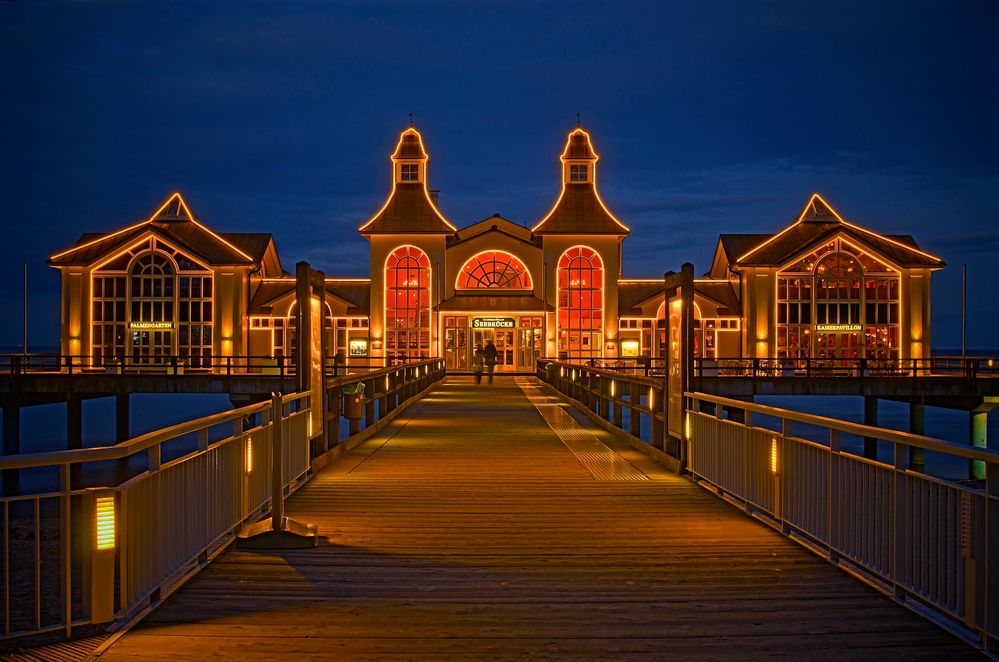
<point>709,116</point>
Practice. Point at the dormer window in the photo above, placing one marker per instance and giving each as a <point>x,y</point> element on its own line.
<point>410,172</point>
<point>577,173</point>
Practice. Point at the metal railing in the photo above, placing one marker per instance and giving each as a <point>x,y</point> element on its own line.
<point>98,534</point>
<point>938,366</point>
<point>26,364</point>
<point>931,543</point>
<point>633,403</point>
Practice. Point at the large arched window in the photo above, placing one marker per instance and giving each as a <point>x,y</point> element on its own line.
<point>497,269</point>
<point>407,303</point>
<point>580,303</point>
<point>151,302</point>
<point>838,302</point>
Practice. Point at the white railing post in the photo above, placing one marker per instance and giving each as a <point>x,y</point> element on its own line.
<point>277,466</point>
<point>990,634</point>
<point>833,495</point>
<point>900,519</point>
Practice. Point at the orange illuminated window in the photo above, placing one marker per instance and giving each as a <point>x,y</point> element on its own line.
<point>580,303</point>
<point>407,303</point>
<point>496,269</point>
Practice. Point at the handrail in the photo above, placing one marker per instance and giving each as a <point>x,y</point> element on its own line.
<point>131,537</point>
<point>857,429</point>
<point>925,540</point>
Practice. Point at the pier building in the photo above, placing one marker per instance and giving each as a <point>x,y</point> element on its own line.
<point>819,287</point>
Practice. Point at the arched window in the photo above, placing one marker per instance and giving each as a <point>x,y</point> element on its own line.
<point>580,302</point>
<point>838,303</point>
<point>407,303</point>
<point>152,319</point>
<point>497,269</point>
<point>152,302</point>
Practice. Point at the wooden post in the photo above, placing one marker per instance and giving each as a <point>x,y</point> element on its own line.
<point>11,445</point>
<point>74,421</point>
<point>303,325</point>
<point>634,411</point>
<point>121,417</point>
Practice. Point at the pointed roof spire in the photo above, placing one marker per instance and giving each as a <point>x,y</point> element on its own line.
<point>818,210</point>
<point>579,209</point>
<point>174,209</point>
<point>410,147</point>
<point>578,147</point>
<point>409,208</point>
<point>579,121</point>
<point>411,120</point>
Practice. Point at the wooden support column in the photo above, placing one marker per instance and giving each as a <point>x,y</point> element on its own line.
<point>11,430</point>
<point>870,418</point>
<point>303,325</point>
<point>11,445</point>
<point>121,418</point>
<point>74,422</point>
<point>917,425</point>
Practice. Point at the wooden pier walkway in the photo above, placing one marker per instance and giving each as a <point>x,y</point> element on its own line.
<point>474,527</point>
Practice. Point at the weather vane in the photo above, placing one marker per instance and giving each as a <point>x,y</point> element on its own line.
<point>579,120</point>
<point>411,120</point>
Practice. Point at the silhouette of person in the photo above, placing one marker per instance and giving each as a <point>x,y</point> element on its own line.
<point>489,355</point>
<point>477,363</point>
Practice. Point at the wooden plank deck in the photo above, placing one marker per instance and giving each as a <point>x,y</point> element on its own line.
<point>468,530</point>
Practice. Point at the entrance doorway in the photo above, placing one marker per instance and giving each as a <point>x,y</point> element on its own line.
<point>504,342</point>
<point>519,340</point>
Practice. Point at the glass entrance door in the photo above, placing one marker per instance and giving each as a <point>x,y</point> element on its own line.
<point>504,349</point>
<point>504,342</point>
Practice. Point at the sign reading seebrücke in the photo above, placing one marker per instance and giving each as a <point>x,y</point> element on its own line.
<point>493,323</point>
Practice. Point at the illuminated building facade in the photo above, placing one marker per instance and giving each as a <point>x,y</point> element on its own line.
<point>169,286</point>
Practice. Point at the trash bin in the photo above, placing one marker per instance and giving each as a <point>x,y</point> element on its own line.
<point>353,400</point>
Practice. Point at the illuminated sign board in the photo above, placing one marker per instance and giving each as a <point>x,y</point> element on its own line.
<point>357,347</point>
<point>493,323</point>
<point>838,327</point>
<point>629,348</point>
<point>150,326</point>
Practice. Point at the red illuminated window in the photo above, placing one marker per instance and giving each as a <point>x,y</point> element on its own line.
<point>407,302</point>
<point>494,269</point>
<point>580,302</point>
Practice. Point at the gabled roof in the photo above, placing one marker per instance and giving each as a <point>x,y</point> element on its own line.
<point>631,294</point>
<point>175,223</point>
<point>579,209</point>
<point>408,209</point>
<point>818,222</point>
<point>355,293</point>
<point>494,223</point>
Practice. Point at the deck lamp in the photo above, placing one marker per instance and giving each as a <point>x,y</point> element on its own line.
<point>101,576</point>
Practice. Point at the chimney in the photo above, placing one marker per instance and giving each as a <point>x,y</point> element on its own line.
<point>434,194</point>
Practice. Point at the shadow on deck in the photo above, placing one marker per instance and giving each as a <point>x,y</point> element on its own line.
<point>475,527</point>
